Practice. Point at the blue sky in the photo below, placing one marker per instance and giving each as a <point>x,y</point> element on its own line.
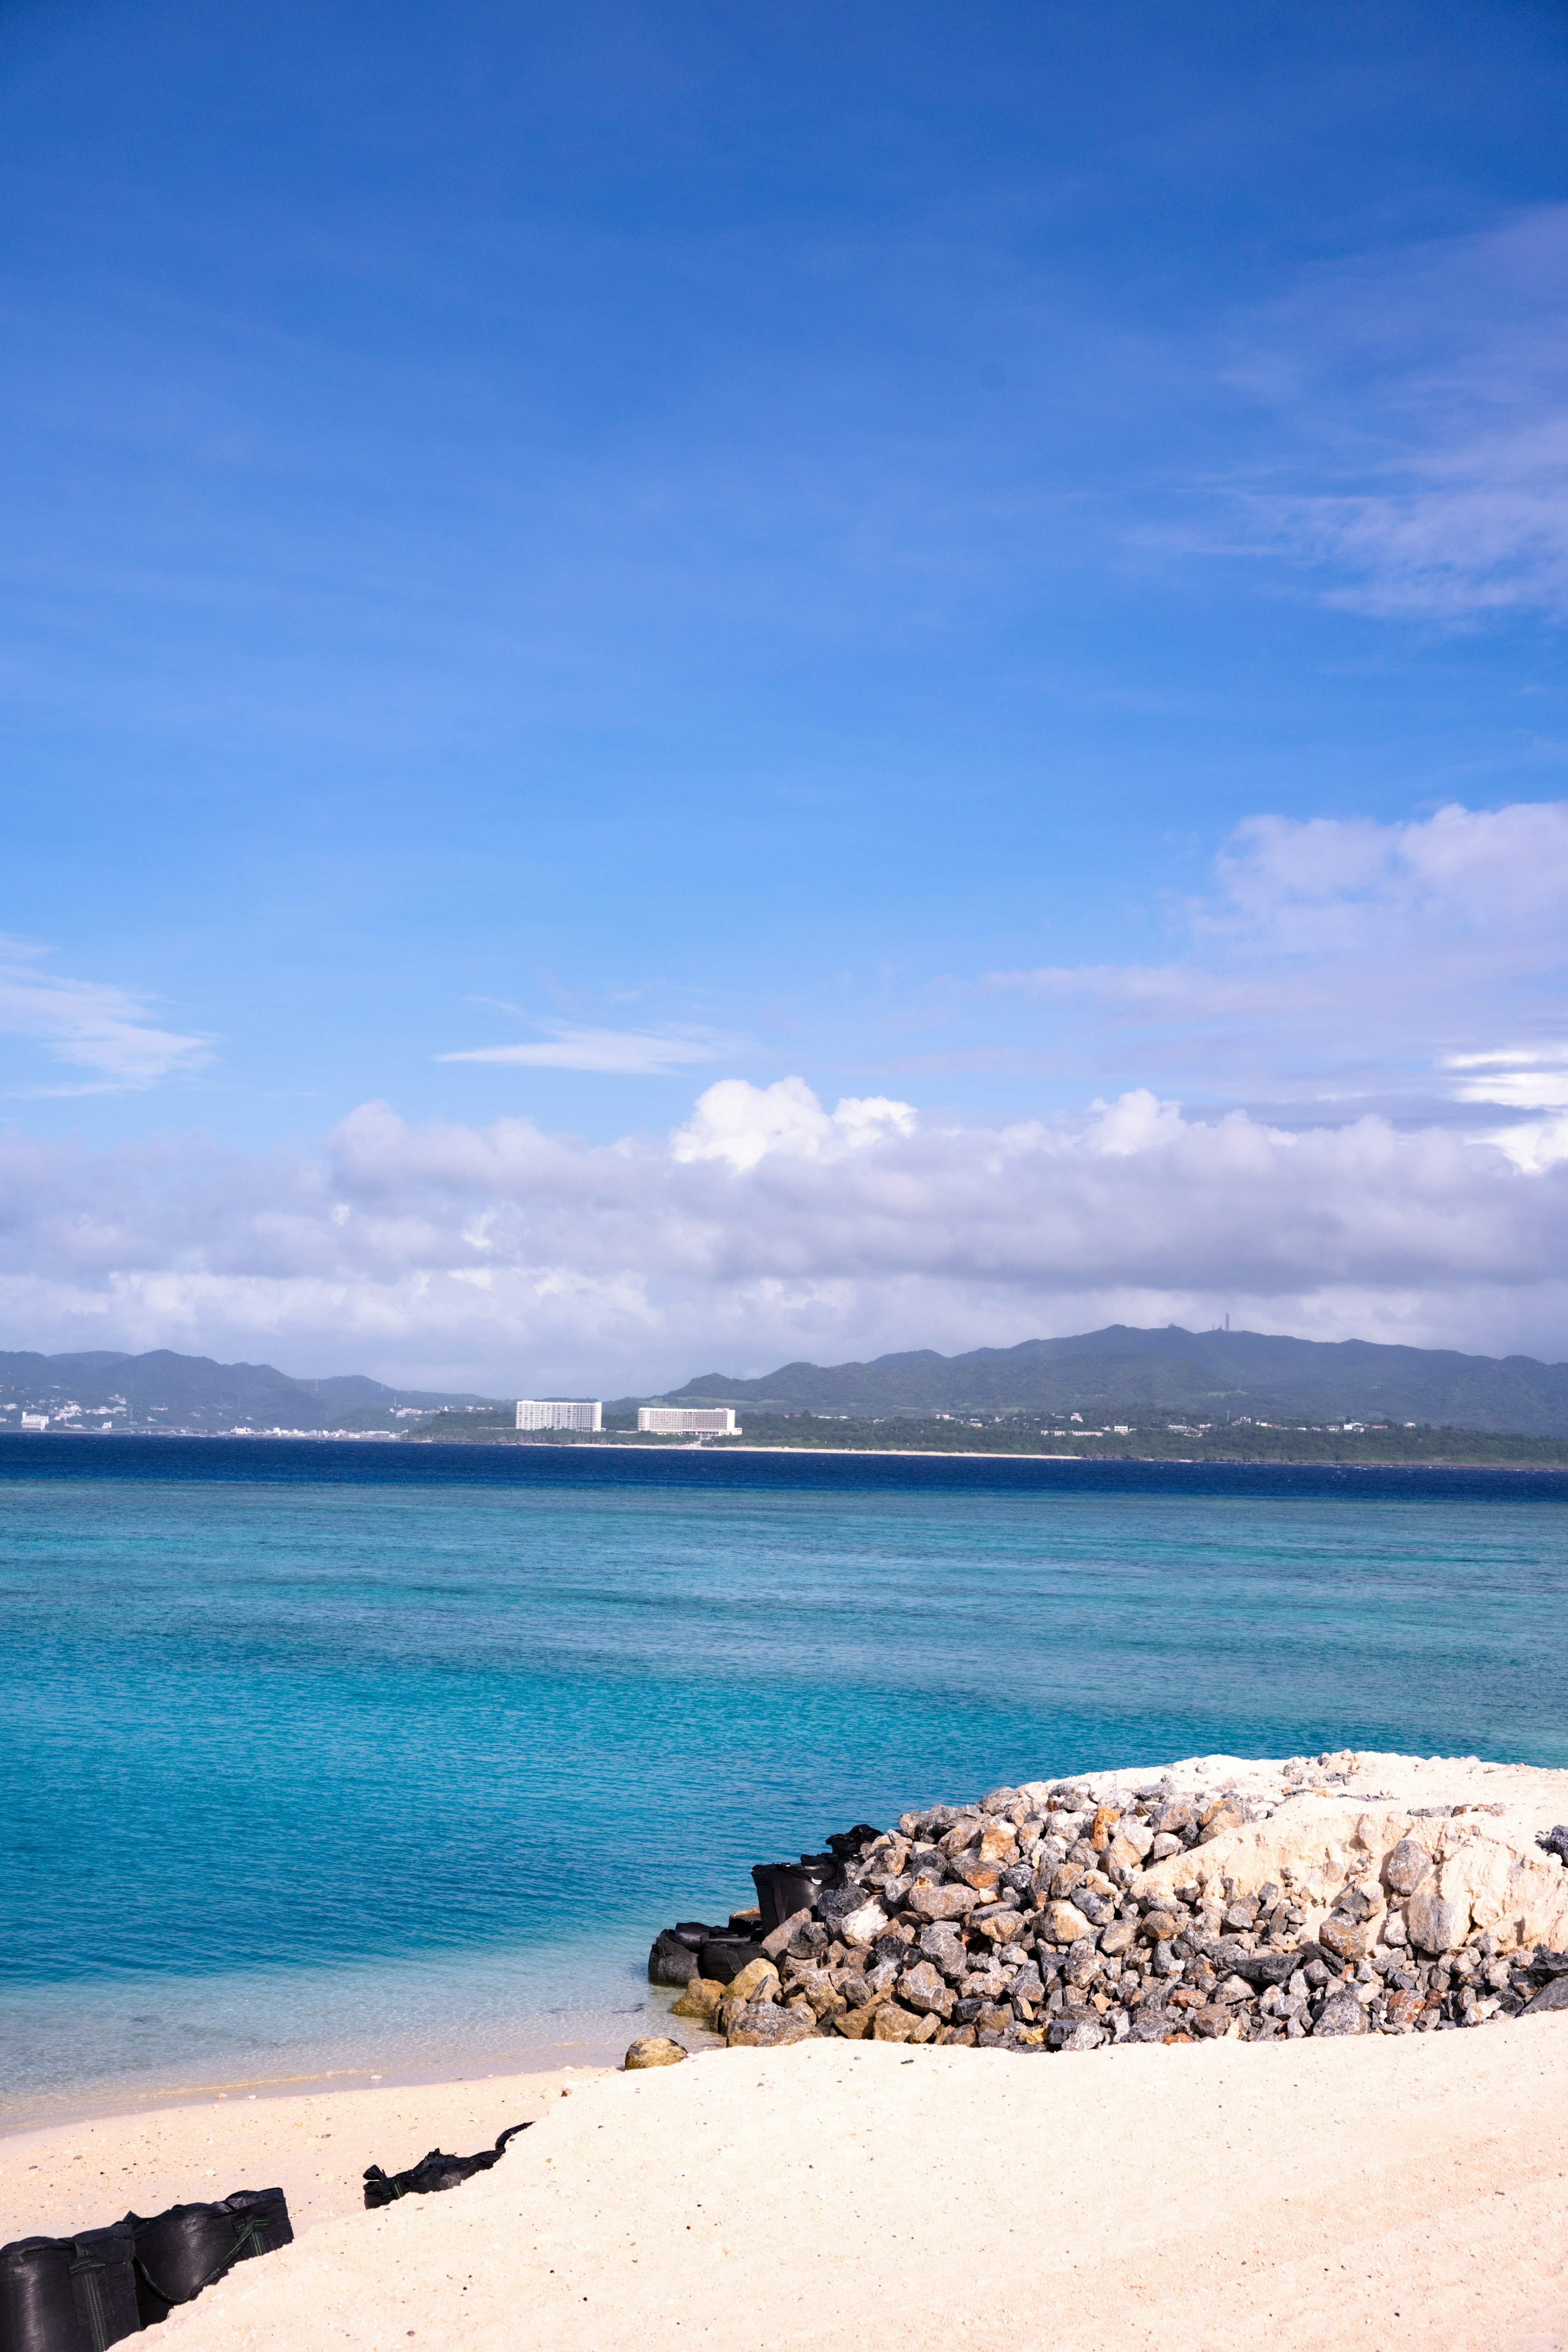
<point>982,562</point>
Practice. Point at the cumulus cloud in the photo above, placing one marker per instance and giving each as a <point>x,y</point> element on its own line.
<point>90,1026</point>
<point>503,1255</point>
<point>743,1124</point>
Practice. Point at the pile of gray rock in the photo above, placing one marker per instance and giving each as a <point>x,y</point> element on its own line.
<point>1029,1921</point>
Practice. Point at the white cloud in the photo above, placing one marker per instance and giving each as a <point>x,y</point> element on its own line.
<point>742,1124</point>
<point>1343,960</point>
<point>625,1053</point>
<point>1520,1080</point>
<point>88,1026</point>
<point>497,1256</point>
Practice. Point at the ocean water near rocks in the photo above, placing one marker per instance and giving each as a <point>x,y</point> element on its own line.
<point>326,1757</point>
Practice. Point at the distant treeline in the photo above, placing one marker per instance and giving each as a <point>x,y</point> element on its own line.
<point>1237,1442</point>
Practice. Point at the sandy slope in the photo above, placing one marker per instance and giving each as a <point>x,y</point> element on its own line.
<point>1385,2192</point>
<point>1389,2192</point>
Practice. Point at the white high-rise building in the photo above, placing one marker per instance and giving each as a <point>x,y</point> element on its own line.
<point>688,1421</point>
<point>559,1413</point>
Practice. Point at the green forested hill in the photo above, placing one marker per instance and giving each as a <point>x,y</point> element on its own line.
<point>1205,1375</point>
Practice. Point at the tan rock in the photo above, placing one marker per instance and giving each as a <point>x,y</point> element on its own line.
<point>1437,1921</point>
<point>985,1878</point>
<point>923,1989</point>
<point>1344,1938</point>
<point>855,2024</point>
<point>1119,1938</point>
<point>772,1946</point>
<point>893,2023</point>
<point>928,1901</point>
<point>1003,1929</point>
<point>822,1996</point>
<point>758,1980</point>
<point>998,1842</point>
<point>1101,1828</point>
<point>1122,1854</point>
<point>764,2025</point>
<point>1406,1866</point>
<point>701,2001</point>
<point>653,2050</point>
<point>1064,1923</point>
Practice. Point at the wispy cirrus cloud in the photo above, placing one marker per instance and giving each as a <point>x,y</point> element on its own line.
<point>89,1025</point>
<point>1422,398</point>
<point>621,1053</point>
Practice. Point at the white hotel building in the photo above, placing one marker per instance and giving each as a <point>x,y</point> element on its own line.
<point>688,1421</point>
<point>559,1413</point>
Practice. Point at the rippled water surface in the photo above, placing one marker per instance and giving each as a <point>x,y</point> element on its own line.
<point>394,1757</point>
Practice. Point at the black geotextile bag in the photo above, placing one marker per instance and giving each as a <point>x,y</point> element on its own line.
<point>68,2295</point>
<point>187,2248</point>
<point>433,2171</point>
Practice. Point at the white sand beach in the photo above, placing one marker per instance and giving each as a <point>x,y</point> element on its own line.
<point>1385,2192</point>
<point>1381,2190</point>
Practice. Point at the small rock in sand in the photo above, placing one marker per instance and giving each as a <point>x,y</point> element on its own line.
<point>653,2050</point>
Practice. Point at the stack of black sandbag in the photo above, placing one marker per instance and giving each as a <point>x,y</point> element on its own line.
<point>83,2294</point>
<point>68,2295</point>
<point>189,2247</point>
<point>674,1957</point>
<point>690,1948</point>
<point>432,2173</point>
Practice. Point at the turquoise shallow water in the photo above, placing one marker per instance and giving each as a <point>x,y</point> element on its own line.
<point>332,1756</point>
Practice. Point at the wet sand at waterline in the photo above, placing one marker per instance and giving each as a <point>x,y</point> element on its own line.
<point>1388,2191</point>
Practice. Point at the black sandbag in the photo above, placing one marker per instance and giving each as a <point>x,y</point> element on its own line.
<point>186,2249</point>
<point>68,2295</point>
<point>692,1933</point>
<point>672,1958</point>
<point>723,1956</point>
<point>763,1877</point>
<point>848,1844</point>
<point>785,1887</point>
<point>432,2173</point>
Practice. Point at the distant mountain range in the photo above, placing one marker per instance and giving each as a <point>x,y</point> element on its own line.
<point>1115,1373</point>
<point>163,1391</point>
<point>1204,1374</point>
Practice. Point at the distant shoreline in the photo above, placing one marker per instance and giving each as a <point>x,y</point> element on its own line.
<point>860,1453</point>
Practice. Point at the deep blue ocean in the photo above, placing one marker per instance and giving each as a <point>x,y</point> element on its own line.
<point>393,1758</point>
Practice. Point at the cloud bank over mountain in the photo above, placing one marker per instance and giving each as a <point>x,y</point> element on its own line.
<point>768,1226</point>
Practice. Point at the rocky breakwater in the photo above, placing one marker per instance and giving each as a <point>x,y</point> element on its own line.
<point>1070,1913</point>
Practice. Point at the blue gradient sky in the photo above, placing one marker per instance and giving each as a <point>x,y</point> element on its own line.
<point>685,546</point>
